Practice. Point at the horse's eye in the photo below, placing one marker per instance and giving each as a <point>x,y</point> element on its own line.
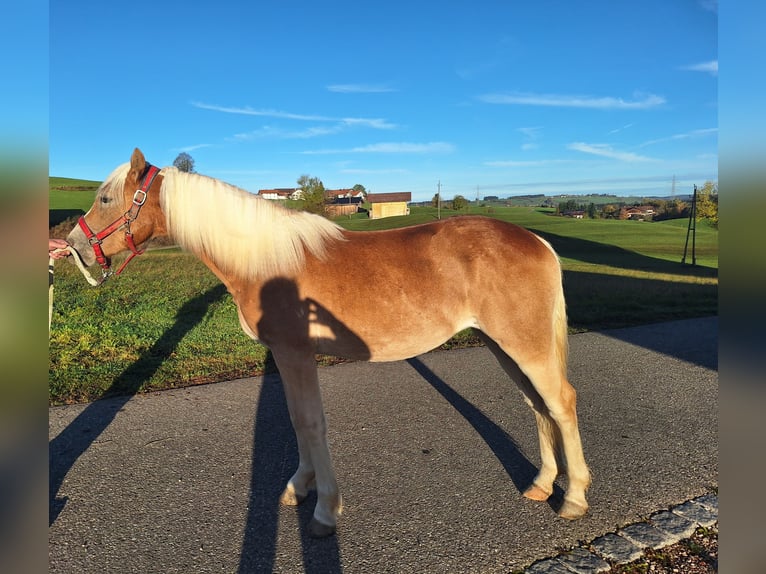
<point>104,199</point>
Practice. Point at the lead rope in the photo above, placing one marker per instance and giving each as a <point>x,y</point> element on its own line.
<point>80,265</point>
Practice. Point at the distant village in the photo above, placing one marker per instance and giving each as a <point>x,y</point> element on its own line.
<point>340,202</point>
<point>348,201</point>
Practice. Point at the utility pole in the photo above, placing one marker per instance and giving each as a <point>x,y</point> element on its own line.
<point>692,228</point>
<point>439,200</point>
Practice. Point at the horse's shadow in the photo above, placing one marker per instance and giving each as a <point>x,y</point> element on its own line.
<point>274,459</point>
<point>520,470</point>
<point>84,430</point>
<point>275,450</point>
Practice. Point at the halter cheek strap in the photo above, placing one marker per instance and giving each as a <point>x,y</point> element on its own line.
<point>95,239</point>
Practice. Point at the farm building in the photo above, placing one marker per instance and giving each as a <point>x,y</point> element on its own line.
<point>389,204</point>
<point>342,201</point>
<point>281,193</point>
<point>334,195</point>
<point>639,213</point>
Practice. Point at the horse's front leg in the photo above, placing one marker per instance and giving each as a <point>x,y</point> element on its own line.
<point>304,401</point>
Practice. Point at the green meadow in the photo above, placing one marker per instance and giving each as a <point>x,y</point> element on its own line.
<point>168,322</point>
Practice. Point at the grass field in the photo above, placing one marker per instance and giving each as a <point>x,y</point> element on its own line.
<point>69,198</point>
<point>168,322</point>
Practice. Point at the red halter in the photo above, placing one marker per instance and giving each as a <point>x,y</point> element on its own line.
<point>95,239</point>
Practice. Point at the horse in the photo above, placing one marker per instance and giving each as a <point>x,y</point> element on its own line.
<point>292,274</point>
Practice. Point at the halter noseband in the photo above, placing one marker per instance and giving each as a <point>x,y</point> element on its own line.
<point>95,239</point>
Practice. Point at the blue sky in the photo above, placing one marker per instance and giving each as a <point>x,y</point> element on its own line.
<point>487,97</point>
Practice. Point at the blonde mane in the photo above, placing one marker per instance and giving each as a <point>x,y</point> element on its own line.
<point>240,232</point>
<point>114,185</point>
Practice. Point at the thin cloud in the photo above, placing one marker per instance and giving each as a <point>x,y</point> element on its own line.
<point>531,132</point>
<point>362,171</point>
<point>375,123</point>
<point>687,135</point>
<point>270,132</point>
<point>392,147</point>
<point>605,150</point>
<point>359,89</point>
<point>617,130</point>
<point>189,148</point>
<point>570,101</point>
<point>525,163</point>
<point>248,111</point>
<point>710,67</point>
<point>404,147</point>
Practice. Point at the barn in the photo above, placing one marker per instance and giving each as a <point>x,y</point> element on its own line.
<point>389,204</point>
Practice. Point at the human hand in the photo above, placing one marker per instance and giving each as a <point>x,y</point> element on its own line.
<point>53,245</point>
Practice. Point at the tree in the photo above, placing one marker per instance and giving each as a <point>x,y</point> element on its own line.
<point>313,194</point>
<point>707,202</point>
<point>609,211</point>
<point>359,187</point>
<point>435,200</point>
<point>459,202</point>
<point>184,162</point>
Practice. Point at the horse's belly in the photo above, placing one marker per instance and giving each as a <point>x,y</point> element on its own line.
<point>391,342</point>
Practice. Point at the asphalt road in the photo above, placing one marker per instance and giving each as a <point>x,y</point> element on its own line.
<point>431,454</point>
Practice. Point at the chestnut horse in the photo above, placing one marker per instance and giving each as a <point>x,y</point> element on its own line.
<point>296,279</point>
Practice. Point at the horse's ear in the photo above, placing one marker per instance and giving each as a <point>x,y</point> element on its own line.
<point>137,164</point>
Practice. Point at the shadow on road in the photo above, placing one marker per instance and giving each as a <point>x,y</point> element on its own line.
<point>79,435</point>
<point>519,469</point>
<point>692,340</point>
<point>284,323</point>
<point>275,458</point>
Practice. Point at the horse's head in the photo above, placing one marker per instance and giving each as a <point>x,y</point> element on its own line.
<point>125,214</point>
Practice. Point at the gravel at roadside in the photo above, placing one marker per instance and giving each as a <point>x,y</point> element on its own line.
<point>682,539</point>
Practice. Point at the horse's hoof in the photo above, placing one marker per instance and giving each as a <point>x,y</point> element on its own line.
<point>572,510</point>
<point>290,497</point>
<point>319,530</point>
<point>534,492</point>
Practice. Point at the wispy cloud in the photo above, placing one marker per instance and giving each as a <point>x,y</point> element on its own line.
<point>532,134</point>
<point>248,111</point>
<point>617,130</point>
<point>710,67</point>
<point>362,171</point>
<point>525,163</point>
<point>687,135</point>
<point>605,150</point>
<point>375,123</point>
<point>271,132</point>
<point>189,148</point>
<point>573,101</point>
<point>359,89</point>
<point>392,147</point>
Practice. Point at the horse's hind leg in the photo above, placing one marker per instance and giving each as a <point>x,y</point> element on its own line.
<point>304,401</point>
<point>542,486</point>
<point>560,399</point>
<point>553,401</point>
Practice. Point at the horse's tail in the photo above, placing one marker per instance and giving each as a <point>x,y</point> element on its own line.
<point>560,331</point>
